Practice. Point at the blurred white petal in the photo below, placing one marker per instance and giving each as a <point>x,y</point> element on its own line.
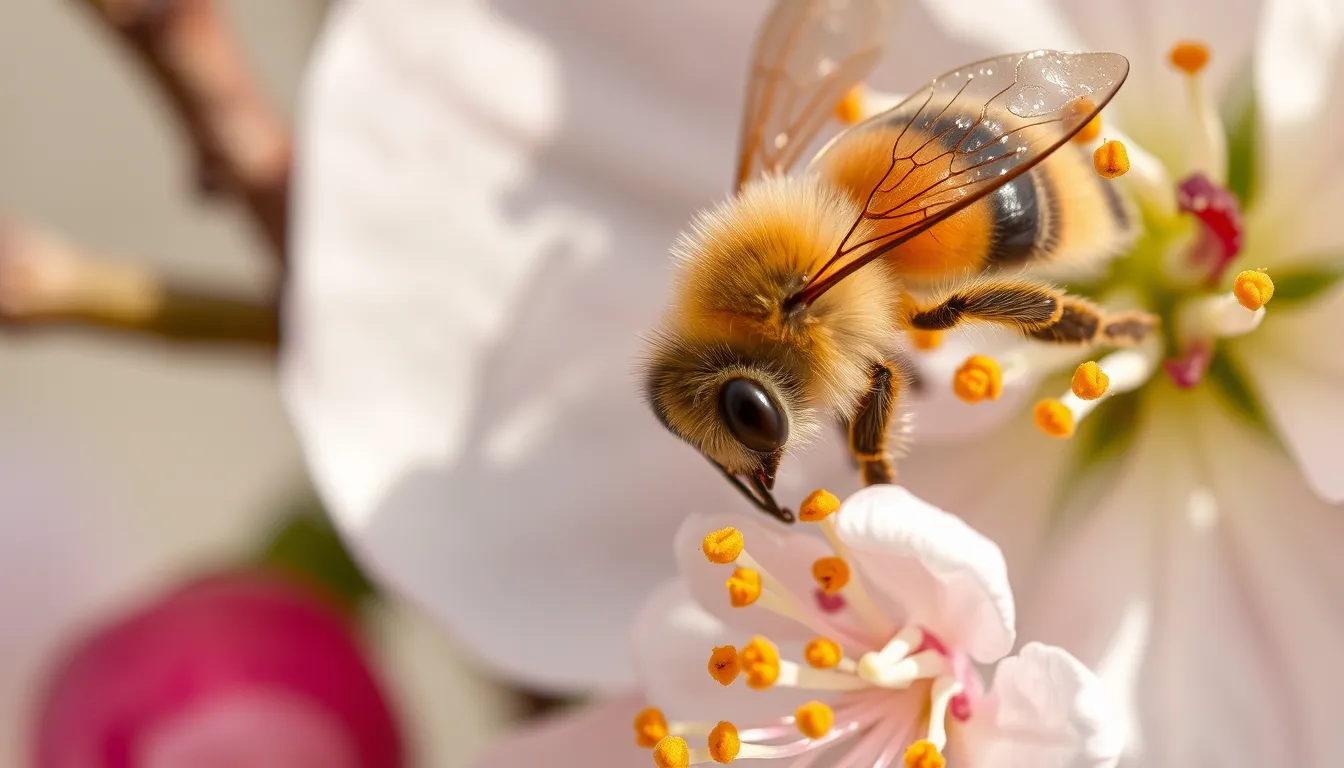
<point>595,736</point>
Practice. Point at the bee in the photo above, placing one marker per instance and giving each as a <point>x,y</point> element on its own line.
<point>794,298</point>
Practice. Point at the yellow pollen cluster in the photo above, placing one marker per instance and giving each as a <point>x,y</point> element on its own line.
<point>814,719</point>
<point>925,341</point>
<point>1189,56</point>
<point>823,653</point>
<point>1253,289</point>
<point>650,727</point>
<point>724,743</point>
<point>724,664</point>
<point>849,110</point>
<point>723,546</point>
<point>672,752</point>
<point>1090,382</point>
<point>1053,418</point>
<point>979,378</point>
<point>760,662</point>
<point>923,754</point>
<point>819,505</point>
<point>1111,160</point>
<point>744,587</point>
<point>831,573</point>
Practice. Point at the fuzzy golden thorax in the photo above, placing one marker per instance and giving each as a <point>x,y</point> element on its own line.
<point>727,319</point>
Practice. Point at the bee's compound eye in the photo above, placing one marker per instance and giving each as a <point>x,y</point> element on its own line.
<point>752,416</point>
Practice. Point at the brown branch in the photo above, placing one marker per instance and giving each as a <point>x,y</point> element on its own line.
<point>48,282</point>
<point>243,147</point>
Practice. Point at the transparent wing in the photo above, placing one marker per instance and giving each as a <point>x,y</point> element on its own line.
<point>957,140</point>
<point>807,55</point>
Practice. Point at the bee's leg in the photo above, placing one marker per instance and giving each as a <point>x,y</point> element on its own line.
<point>1021,304</point>
<point>870,427</point>
<point>1082,322</point>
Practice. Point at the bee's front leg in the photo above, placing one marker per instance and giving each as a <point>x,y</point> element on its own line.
<point>869,430</point>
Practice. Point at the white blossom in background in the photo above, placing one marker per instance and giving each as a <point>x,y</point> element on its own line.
<point>486,198</point>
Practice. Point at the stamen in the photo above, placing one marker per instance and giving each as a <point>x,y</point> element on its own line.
<point>896,649</point>
<point>944,688</point>
<point>724,744</point>
<point>873,617</point>
<point>1189,56</point>
<point>819,505</point>
<point>760,660</point>
<point>1090,132</point>
<point>744,587</point>
<point>1253,289</point>
<point>923,754</point>
<point>920,666</point>
<point>1090,382</point>
<point>672,752</point>
<point>823,653</point>
<point>724,664</point>
<point>925,341</point>
<point>1124,371</point>
<point>1053,418</point>
<point>723,546</point>
<point>814,719</point>
<point>849,110</point>
<point>1111,160</point>
<point>1219,316</point>
<point>979,378</point>
<point>831,574</point>
<point>650,727</point>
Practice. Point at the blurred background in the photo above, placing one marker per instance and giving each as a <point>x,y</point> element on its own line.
<point>130,463</point>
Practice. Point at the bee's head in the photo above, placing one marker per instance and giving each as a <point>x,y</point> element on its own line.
<point>741,412</point>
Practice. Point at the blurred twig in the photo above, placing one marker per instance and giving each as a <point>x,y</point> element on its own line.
<point>242,146</point>
<point>47,281</point>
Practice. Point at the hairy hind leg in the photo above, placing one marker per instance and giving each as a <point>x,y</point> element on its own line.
<point>869,429</point>
<point>1082,322</point>
<point>1021,304</point>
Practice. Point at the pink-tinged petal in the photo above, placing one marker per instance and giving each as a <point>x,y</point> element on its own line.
<point>787,556</point>
<point>1300,380</point>
<point>598,735</point>
<point>184,676</point>
<point>1206,593</point>
<point>1299,90</point>
<point>673,638</point>
<point>939,571</point>
<point>1045,710</point>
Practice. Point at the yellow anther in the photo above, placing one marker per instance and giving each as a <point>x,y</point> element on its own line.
<point>849,110</point>
<point>650,727</point>
<point>1253,289</point>
<point>1053,418</point>
<point>831,573</point>
<point>723,546</point>
<point>819,505</point>
<point>925,341</point>
<point>814,719</point>
<point>744,587</point>
<point>1189,56</point>
<point>724,664</point>
<point>760,662</point>
<point>724,743</point>
<point>979,378</point>
<point>923,754</point>
<point>1111,160</point>
<point>1090,382</point>
<point>672,752</point>
<point>823,653</point>
<point>1089,133</point>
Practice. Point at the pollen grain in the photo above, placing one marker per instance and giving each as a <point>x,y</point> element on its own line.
<point>650,727</point>
<point>831,574</point>
<point>823,653</point>
<point>744,587</point>
<point>924,754</point>
<point>724,743</point>
<point>672,752</point>
<point>849,110</point>
<point>819,505</point>
<point>1189,56</point>
<point>723,546</point>
<point>1090,382</point>
<point>1111,160</point>
<point>1253,289</point>
<point>814,719</point>
<point>979,378</point>
<point>724,664</point>
<point>1053,418</point>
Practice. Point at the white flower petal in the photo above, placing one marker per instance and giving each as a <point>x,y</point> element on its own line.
<point>942,573</point>
<point>1299,89</point>
<point>1206,593</point>
<point>937,415</point>
<point>594,736</point>
<point>785,555</point>
<point>1045,710</point>
<point>1300,382</point>
<point>673,639</point>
